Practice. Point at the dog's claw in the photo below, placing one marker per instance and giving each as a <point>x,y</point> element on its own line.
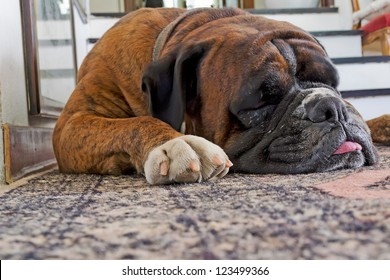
<point>186,159</point>
<point>223,173</point>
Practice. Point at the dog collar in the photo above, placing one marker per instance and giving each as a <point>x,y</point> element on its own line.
<point>168,30</point>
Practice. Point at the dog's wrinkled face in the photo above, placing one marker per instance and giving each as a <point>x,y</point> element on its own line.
<point>267,98</point>
<point>312,129</point>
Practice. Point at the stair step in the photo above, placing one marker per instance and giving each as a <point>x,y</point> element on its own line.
<point>293,11</point>
<point>316,19</point>
<point>360,73</point>
<point>362,60</point>
<point>338,44</point>
<point>311,19</point>
<point>366,93</point>
<point>369,103</point>
<point>341,43</point>
<point>365,83</point>
<point>113,15</point>
<point>323,23</point>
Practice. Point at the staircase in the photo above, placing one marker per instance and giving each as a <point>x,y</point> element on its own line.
<point>364,80</point>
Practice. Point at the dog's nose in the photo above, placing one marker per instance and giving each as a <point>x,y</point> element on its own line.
<point>326,108</point>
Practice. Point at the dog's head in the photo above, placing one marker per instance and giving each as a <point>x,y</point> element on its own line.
<point>265,91</point>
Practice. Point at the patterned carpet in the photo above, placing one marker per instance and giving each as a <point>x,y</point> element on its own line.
<point>336,215</point>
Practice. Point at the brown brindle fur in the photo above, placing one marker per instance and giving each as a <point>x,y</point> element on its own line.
<point>105,127</point>
<point>222,59</point>
<point>380,129</point>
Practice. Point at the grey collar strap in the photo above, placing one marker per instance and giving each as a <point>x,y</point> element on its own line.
<point>168,30</point>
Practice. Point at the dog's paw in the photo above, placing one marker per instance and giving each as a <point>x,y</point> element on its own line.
<point>186,159</point>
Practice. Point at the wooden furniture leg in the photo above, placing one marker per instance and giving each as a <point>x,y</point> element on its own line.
<point>383,35</point>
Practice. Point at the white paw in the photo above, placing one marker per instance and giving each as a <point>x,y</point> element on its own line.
<point>186,159</point>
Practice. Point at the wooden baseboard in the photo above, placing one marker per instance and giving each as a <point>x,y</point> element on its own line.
<point>27,150</point>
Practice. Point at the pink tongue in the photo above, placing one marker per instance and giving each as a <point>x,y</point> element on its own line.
<point>347,147</point>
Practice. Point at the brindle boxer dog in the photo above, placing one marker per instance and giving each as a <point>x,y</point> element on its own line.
<point>263,91</point>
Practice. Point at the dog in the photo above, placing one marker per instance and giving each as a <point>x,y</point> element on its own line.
<point>380,129</point>
<point>186,96</point>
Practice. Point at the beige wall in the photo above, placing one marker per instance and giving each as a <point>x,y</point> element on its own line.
<point>259,4</point>
<point>106,6</point>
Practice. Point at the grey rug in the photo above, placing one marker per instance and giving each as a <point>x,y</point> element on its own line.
<point>57,216</point>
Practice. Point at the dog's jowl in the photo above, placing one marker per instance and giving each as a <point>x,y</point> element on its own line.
<point>186,96</point>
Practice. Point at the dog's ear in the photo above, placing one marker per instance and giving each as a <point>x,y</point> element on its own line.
<point>172,84</point>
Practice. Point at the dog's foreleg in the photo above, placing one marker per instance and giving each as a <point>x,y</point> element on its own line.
<point>92,144</point>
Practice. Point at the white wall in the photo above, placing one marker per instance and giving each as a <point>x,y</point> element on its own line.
<point>13,100</point>
<point>12,77</point>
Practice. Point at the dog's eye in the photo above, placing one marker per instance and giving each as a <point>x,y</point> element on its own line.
<point>265,95</point>
<point>256,116</point>
<point>271,94</point>
<point>255,105</point>
<point>255,109</point>
<point>251,101</point>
